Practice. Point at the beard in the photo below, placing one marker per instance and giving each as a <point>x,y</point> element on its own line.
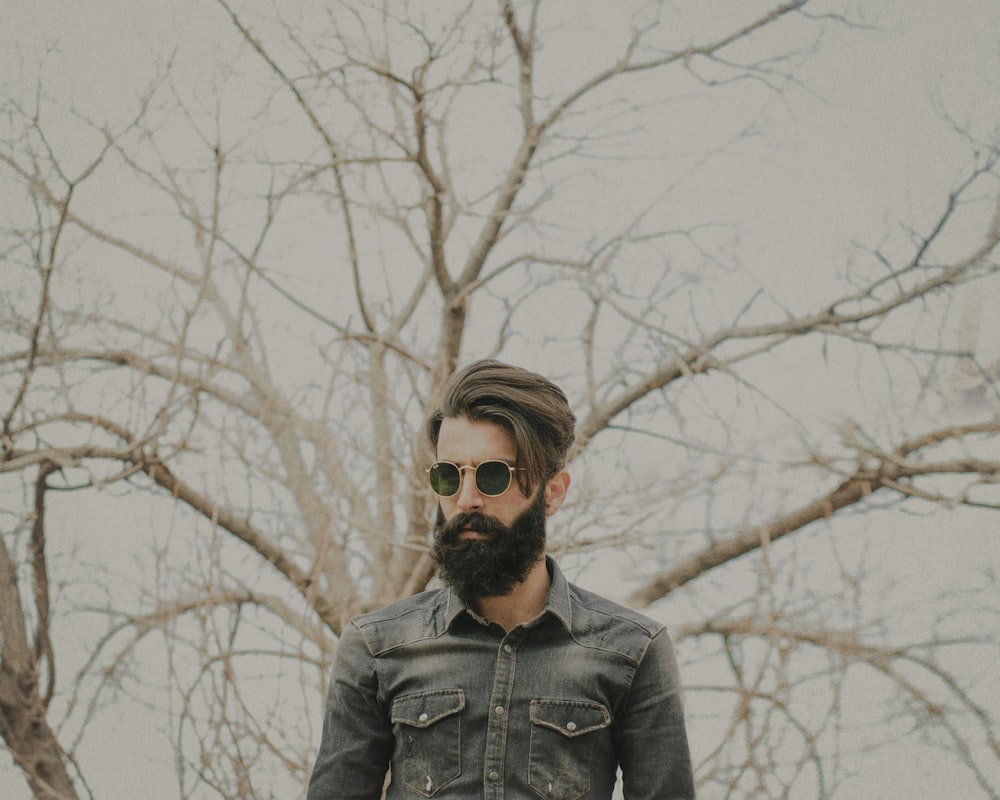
<point>494,566</point>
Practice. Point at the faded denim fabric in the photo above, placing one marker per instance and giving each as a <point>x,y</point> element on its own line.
<point>461,709</point>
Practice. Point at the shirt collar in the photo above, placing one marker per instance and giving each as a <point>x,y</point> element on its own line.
<point>557,603</point>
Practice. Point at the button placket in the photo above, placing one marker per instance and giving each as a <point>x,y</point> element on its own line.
<point>496,735</point>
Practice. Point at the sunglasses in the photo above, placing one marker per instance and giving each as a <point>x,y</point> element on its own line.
<point>493,478</point>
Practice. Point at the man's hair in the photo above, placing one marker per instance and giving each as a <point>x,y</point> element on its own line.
<point>531,408</point>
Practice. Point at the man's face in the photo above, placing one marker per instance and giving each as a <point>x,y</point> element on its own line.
<point>467,442</point>
<point>485,546</point>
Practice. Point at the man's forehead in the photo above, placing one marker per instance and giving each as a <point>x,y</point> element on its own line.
<point>474,440</point>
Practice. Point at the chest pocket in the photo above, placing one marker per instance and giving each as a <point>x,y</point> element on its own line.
<point>563,734</point>
<point>428,729</point>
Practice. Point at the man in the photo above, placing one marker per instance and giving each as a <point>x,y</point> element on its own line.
<point>509,682</point>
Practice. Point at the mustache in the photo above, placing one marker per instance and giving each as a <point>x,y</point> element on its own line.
<point>471,521</point>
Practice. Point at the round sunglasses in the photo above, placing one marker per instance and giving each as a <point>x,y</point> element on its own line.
<point>493,478</point>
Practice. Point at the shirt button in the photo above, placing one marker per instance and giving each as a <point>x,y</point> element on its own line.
<point>508,649</point>
<point>423,717</point>
<point>498,711</point>
<point>494,776</point>
<point>571,726</point>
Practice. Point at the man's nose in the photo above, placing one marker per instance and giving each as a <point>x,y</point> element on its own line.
<point>469,497</point>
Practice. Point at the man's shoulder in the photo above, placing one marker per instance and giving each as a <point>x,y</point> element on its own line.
<point>420,616</point>
<point>601,622</point>
<point>598,605</point>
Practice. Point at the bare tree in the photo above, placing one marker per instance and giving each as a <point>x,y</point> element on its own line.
<point>240,311</point>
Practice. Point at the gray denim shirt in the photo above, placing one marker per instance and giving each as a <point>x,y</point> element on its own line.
<point>460,708</point>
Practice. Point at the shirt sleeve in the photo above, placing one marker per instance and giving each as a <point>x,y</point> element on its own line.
<point>650,734</point>
<point>357,741</point>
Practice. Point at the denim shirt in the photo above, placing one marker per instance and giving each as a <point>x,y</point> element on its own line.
<point>459,708</point>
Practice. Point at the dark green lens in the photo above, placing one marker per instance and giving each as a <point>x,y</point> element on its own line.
<point>492,477</point>
<point>445,479</point>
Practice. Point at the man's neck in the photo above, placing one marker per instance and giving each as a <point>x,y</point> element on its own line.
<point>521,605</point>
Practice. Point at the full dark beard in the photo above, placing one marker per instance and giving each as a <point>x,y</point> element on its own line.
<point>493,566</point>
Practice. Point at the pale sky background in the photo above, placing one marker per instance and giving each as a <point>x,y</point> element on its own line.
<point>872,141</point>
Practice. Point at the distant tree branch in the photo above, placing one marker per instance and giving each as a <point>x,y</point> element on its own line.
<point>864,482</point>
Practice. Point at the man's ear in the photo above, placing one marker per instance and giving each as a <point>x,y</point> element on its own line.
<point>555,491</point>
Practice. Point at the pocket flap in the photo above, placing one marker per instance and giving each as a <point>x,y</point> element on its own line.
<point>426,708</point>
<point>570,717</point>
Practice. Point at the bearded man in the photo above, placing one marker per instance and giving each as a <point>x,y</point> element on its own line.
<point>509,682</point>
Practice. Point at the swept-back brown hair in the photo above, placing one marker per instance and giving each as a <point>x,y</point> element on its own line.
<point>531,408</point>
